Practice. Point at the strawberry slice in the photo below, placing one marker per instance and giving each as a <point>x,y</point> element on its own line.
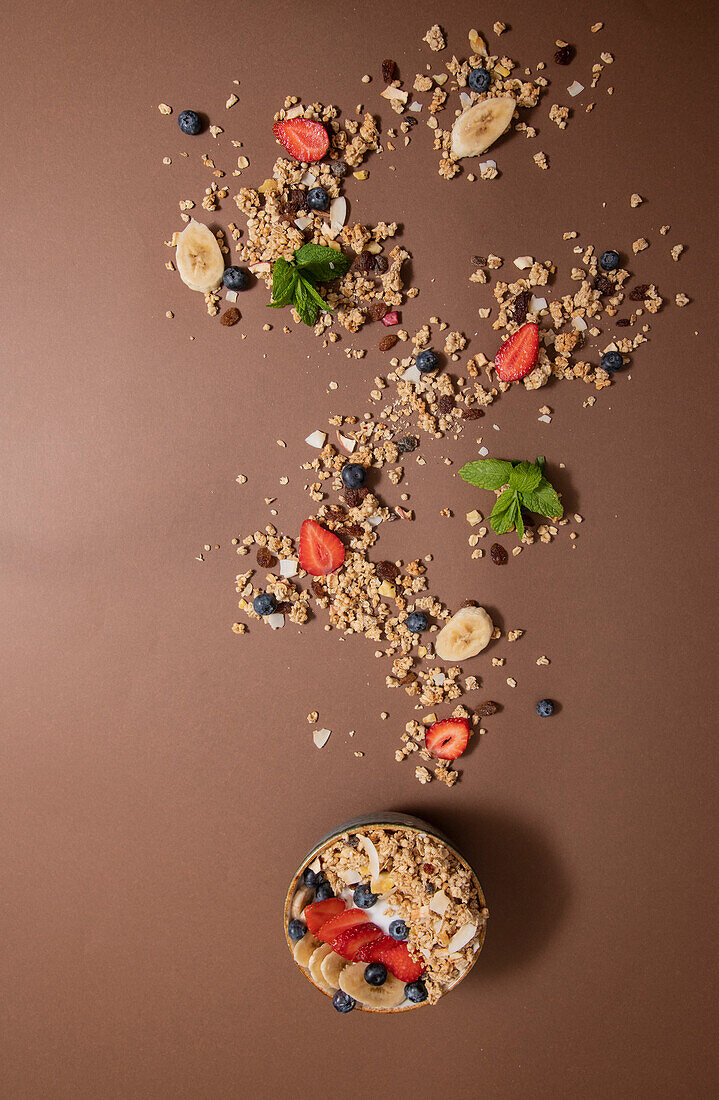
<point>303,138</point>
<point>396,957</point>
<point>352,940</point>
<point>351,918</point>
<point>447,739</point>
<point>518,355</point>
<point>321,552</point>
<point>319,912</point>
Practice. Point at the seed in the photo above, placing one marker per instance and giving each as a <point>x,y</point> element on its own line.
<point>387,342</point>
<point>498,554</point>
<point>487,709</point>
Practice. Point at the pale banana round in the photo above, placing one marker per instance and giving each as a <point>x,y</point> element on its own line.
<point>315,967</point>
<point>303,896</point>
<point>198,257</point>
<point>465,635</point>
<point>479,126</point>
<point>332,966</point>
<point>305,948</point>
<point>388,995</point>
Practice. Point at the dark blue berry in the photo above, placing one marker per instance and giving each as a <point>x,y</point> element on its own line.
<point>353,475</point>
<point>427,361</point>
<point>363,896</point>
<point>339,168</point>
<point>609,261</point>
<point>375,974</point>
<point>612,360</point>
<point>310,878</point>
<point>343,1002</point>
<point>416,991</point>
<point>318,199</point>
<point>479,80</point>
<point>545,708</point>
<point>296,929</point>
<point>264,604</point>
<point>324,891</point>
<point>398,930</point>
<point>189,122</point>
<point>417,622</point>
<point>236,278</point>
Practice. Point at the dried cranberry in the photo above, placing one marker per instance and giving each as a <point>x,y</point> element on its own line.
<point>389,70</point>
<point>563,55</point>
<point>386,570</point>
<point>376,310</point>
<point>406,444</point>
<point>354,497</point>
<point>639,293</point>
<point>264,558</point>
<point>487,709</point>
<point>520,307</point>
<point>388,342</point>
<point>472,414</point>
<point>381,263</point>
<point>603,284</point>
<point>498,554</point>
<point>446,403</point>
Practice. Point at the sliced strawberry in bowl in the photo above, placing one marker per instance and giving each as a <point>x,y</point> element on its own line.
<point>518,355</point>
<point>321,552</point>
<point>303,138</point>
<point>351,918</point>
<point>352,940</point>
<point>448,739</point>
<point>319,912</point>
<point>396,957</point>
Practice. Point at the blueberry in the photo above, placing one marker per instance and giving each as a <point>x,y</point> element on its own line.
<point>398,930</point>
<point>611,361</point>
<point>353,475</point>
<point>318,199</point>
<point>296,929</point>
<point>417,622</point>
<point>324,891</point>
<point>264,604</point>
<point>479,80</point>
<point>416,991</point>
<point>545,708</point>
<point>310,878</point>
<point>427,361</point>
<point>236,278</point>
<point>339,168</point>
<point>609,261</point>
<point>375,974</point>
<point>343,1002</point>
<point>363,896</point>
<point>189,122</point>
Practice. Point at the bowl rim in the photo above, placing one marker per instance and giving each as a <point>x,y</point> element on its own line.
<point>392,820</point>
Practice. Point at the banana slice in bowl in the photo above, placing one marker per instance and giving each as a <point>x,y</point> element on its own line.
<point>465,635</point>
<point>388,995</point>
<point>317,957</point>
<point>305,948</point>
<point>332,966</point>
<point>198,257</point>
<point>481,125</point>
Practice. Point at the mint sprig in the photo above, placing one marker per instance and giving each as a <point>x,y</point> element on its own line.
<point>294,282</point>
<point>526,487</point>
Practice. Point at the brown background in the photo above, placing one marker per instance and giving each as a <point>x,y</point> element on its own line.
<point>158,783</point>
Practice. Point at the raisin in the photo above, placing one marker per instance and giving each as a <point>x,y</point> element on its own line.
<point>469,603</point>
<point>479,261</point>
<point>389,70</point>
<point>406,443</point>
<point>284,607</point>
<point>487,709</point>
<point>294,201</point>
<point>408,678</point>
<point>353,530</point>
<point>428,868</point>
<point>376,310</point>
<point>623,322</point>
<point>264,558</point>
<point>563,55</point>
<point>388,342</point>
<point>603,284</point>
<point>639,293</point>
<point>381,263</point>
<point>364,262</point>
<point>498,554</point>
<point>472,414</point>
<point>520,307</point>
<point>386,570</point>
<point>230,317</point>
<point>354,497</point>
<point>446,403</point>
<point>318,590</point>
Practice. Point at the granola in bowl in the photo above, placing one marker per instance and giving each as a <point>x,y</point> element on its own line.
<point>384,915</point>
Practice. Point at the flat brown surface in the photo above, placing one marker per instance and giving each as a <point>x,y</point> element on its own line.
<point>158,783</point>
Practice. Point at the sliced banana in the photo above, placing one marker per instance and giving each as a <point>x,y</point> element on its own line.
<point>315,967</point>
<point>303,896</point>
<point>305,948</point>
<point>464,635</point>
<point>199,259</point>
<point>332,966</point>
<point>388,995</point>
<point>479,126</point>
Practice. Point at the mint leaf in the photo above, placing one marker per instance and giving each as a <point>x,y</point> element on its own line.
<point>544,500</point>
<point>540,462</point>
<point>505,511</point>
<point>323,263</point>
<point>305,304</point>
<point>487,473</point>
<point>284,278</point>
<point>313,294</point>
<point>525,476</point>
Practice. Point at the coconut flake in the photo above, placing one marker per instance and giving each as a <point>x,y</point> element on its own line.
<point>316,439</point>
<point>346,443</point>
<point>304,221</point>
<point>487,164</point>
<point>338,213</point>
<point>350,877</point>
<point>395,94</point>
<point>288,567</point>
<point>611,347</point>
<point>231,296</point>
<point>308,178</point>
<point>523,262</point>
<point>276,621</point>
<point>315,865</point>
<point>575,88</point>
<point>260,268</point>
<point>536,304</point>
<point>372,855</point>
<point>483,451</point>
<point>374,521</point>
<point>545,418</point>
<point>439,678</point>
<point>415,105</point>
<point>321,737</point>
<point>439,903</point>
<point>412,374</point>
<point>295,112</point>
<point>465,99</point>
<point>579,324</point>
<point>462,937</point>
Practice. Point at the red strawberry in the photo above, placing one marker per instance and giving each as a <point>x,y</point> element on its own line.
<point>349,942</point>
<point>447,739</point>
<point>320,551</point>
<point>396,957</point>
<point>319,912</point>
<point>303,138</point>
<point>351,918</point>
<point>517,356</point>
